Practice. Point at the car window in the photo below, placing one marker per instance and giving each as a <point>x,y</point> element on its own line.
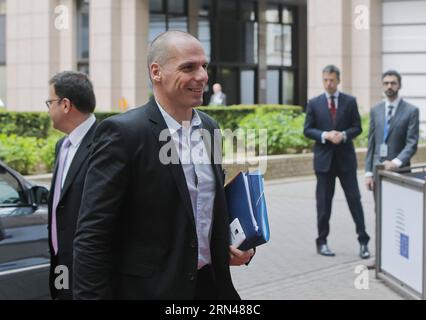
<point>11,193</point>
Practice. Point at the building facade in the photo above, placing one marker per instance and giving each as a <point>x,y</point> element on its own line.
<point>261,51</point>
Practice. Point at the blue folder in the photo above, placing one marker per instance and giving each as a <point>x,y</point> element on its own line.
<point>245,197</point>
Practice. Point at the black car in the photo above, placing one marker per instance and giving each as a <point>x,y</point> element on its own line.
<point>24,256</point>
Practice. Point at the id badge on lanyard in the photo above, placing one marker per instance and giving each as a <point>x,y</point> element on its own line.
<point>383,150</point>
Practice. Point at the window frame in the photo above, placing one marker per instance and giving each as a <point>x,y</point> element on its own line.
<point>82,7</point>
<point>294,67</point>
<point>3,31</point>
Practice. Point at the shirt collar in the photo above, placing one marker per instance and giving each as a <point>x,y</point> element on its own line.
<point>335,95</point>
<point>77,135</point>
<point>175,126</point>
<point>394,103</point>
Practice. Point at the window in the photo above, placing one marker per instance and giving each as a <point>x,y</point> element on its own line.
<point>11,193</point>
<point>272,91</point>
<point>235,31</point>
<point>83,36</point>
<point>288,87</point>
<point>167,15</point>
<point>247,85</point>
<point>2,32</point>
<point>232,30</point>
<point>279,36</point>
<point>204,35</point>
<point>280,54</point>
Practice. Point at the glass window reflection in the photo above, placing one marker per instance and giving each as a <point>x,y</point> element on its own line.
<point>156,5</point>
<point>247,87</point>
<point>272,87</point>
<point>178,23</point>
<point>176,6</point>
<point>273,13</point>
<point>287,49</point>
<point>287,16</point>
<point>288,87</point>
<point>204,35</point>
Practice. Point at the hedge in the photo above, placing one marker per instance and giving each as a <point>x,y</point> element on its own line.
<point>27,141</point>
<point>37,124</point>
<point>230,117</point>
<point>28,154</point>
<point>25,124</point>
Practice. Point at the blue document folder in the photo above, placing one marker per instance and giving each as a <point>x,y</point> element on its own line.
<point>245,197</point>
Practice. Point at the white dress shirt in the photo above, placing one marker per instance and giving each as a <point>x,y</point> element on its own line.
<point>336,102</point>
<point>76,136</point>
<point>199,177</point>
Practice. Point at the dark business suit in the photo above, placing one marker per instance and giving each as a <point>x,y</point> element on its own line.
<point>67,211</point>
<point>136,236</point>
<point>331,161</point>
<point>403,134</point>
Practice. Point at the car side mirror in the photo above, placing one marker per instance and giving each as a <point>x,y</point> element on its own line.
<point>40,195</point>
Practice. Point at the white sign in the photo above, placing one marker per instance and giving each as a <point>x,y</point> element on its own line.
<point>402,234</point>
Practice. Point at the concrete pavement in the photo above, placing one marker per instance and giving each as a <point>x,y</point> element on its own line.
<point>288,267</point>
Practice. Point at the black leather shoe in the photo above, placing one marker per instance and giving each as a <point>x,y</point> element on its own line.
<point>323,250</point>
<point>363,252</point>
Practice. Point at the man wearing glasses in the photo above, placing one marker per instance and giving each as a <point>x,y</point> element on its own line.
<point>71,104</point>
<point>394,130</point>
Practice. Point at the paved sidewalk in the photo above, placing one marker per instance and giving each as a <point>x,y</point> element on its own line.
<point>288,267</point>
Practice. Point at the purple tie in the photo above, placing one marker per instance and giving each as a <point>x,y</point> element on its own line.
<point>57,191</point>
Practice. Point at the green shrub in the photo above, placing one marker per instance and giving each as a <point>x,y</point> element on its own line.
<point>25,124</point>
<point>28,154</point>
<point>20,153</point>
<point>285,130</point>
<point>362,140</point>
<point>231,116</point>
<point>47,150</point>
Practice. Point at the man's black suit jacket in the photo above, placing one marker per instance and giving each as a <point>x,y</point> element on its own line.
<point>67,211</point>
<point>136,236</point>
<point>318,120</point>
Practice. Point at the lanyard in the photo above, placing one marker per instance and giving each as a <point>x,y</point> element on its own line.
<point>385,131</point>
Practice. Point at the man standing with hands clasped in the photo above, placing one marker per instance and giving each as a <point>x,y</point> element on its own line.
<point>333,121</point>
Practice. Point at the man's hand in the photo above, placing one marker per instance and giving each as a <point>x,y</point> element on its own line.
<point>335,137</point>
<point>369,182</point>
<point>389,165</point>
<point>338,137</point>
<point>239,257</point>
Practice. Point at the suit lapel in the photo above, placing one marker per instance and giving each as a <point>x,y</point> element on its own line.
<point>326,110</point>
<point>55,171</point>
<point>158,125</point>
<point>341,106</point>
<point>81,155</point>
<point>380,121</point>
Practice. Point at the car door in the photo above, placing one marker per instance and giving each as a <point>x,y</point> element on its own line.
<point>24,257</point>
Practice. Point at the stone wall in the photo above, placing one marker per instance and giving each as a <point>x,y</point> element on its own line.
<point>284,166</point>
